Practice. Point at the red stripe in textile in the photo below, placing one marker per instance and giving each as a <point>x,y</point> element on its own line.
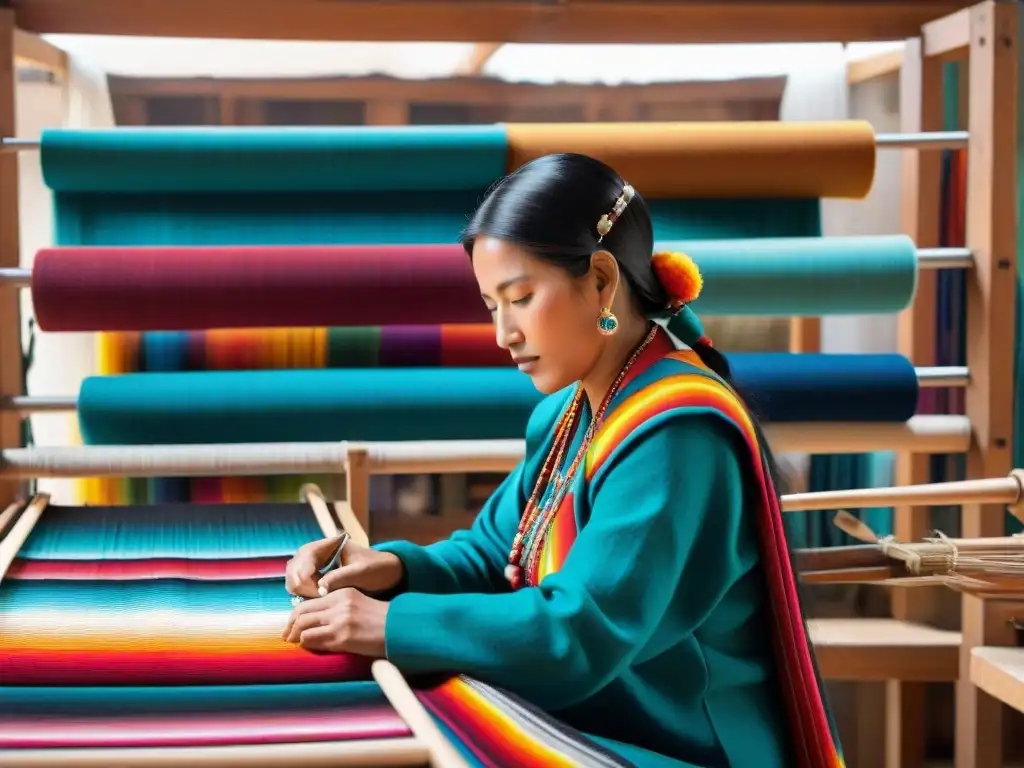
<point>163,666</point>
<point>205,730</point>
<point>157,568</point>
<point>163,288</point>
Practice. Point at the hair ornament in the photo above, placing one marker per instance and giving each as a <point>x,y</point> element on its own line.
<point>679,276</point>
<point>604,224</point>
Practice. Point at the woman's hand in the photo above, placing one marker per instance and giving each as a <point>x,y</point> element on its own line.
<point>359,567</point>
<point>346,621</point>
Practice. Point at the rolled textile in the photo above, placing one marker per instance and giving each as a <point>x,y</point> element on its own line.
<point>469,345</point>
<point>162,288</point>
<point>719,159</point>
<point>352,218</point>
<point>196,288</point>
<point>258,159</point>
<point>442,403</point>
<point>803,275</point>
<point>671,160</point>
<point>334,404</point>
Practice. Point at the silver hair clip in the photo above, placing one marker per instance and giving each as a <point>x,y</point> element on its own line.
<point>604,224</point>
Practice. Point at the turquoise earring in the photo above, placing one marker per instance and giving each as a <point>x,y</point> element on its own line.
<point>607,323</point>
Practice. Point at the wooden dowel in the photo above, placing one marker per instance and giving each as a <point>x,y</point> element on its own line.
<point>922,434</point>
<point>350,523</point>
<point>442,753</point>
<point>830,558</point>
<point>19,534</point>
<point>848,575</point>
<point>9,516</point>
<point>1003,490</point>
<point>313,496</point>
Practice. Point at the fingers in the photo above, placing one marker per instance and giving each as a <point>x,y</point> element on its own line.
<point>346,576</point>
<point>301,620</point>
<point>299,578</point>
<point>320,638</point>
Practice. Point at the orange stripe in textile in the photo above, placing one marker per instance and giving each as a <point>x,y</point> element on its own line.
<point>483,726</point>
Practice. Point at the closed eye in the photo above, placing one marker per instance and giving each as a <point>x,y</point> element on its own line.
<point>523,301</point>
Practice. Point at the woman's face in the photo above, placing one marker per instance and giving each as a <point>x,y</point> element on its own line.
<point>545,318</point>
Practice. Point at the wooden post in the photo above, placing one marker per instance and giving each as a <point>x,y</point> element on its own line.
<point>357,487</point>
<point>10,254</point>
<point>991,292</point>
<point>920,203</point>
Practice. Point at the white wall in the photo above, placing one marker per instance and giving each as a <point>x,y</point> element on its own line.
<point>62,360</point>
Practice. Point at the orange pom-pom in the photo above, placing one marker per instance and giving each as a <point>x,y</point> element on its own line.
<point>678,275</point>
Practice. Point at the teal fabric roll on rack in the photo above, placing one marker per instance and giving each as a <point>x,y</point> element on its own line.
<point>803,276</point>
<point>253,160</point>
<point>311,405</point>
<point>444,403</point>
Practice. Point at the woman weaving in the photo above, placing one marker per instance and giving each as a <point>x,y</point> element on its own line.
<point>631,576</point>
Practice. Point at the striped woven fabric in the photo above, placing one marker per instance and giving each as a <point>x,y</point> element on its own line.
<point>160,626</point>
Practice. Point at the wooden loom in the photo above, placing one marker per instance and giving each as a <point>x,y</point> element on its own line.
<point>882,562</point>
<point>899,657</point>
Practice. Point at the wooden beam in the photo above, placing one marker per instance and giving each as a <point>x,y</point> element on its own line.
<point>991,294</point>
<point>920,210</point>
<point>500,21</point>
<point>473,65</point>
<point>10,252</point>
<point>948,37</point>
<point>873,67</point>
<point>31,51</point>
<point>469,89</point>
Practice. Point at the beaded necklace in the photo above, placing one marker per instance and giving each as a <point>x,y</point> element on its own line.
<point>552,486</point>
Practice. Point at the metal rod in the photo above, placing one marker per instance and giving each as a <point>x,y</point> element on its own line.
<point>28,404</point>
<point>942,376</point>
<point>928,140</point>
<point>932,140</point>
<point>18,145</point>
<point>945,258</point>
<point>15,277</point>
<point>927,377</point>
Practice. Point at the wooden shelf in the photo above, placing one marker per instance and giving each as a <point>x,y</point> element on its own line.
<point>884,649</point>
<point>999,672</point>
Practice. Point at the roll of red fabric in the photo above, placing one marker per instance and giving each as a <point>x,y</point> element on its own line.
<point>163,288</point>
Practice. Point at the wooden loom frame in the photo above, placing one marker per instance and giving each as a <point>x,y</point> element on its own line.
<point>427,745</point>
<point>991,237</point>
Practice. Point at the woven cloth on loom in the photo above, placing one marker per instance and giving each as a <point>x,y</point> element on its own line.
<point>293,187</point>
<point>130,627</point>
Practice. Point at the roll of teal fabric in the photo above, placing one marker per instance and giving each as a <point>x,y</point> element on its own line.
<point>307,405</point>
<point>251,160</point>
<point>380,404</point>
<point>803,275</point>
